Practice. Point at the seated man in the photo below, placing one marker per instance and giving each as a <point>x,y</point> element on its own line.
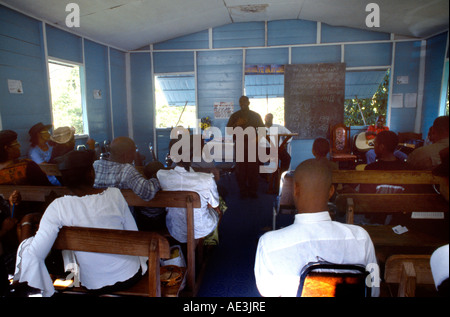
<point>282,254</point>
<point>372,132</point>
<point>427,157</point>
<point>119,172</point>
<point>183,177</point>
<point>385,144</point>
<point>87,207</point>
<point>320,150</point>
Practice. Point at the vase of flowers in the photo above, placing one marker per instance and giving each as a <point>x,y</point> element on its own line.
<point>205,123</point>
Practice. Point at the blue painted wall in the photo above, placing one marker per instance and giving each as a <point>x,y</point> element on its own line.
<point>407,63</point>
<point>219,70</point>
<point>433,76</point>
<point>142,100</point>
<point>22,58</point>
<point>118,93</point>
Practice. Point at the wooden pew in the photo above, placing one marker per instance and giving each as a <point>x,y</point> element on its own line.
<point>137,243</point>
<point>408,271</point>
<point>389,203</point>
<point>385,240</point>
<point>180,199</point>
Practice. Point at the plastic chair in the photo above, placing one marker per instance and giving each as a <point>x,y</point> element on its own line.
<point>325,279</point>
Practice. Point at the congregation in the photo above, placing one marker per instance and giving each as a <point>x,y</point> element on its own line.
<point>29,229</point>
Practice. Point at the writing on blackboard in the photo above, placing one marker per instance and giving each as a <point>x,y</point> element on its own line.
<point>314,98</point>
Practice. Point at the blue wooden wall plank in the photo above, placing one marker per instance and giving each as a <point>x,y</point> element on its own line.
<point>97,78</point>
<point>239,35</point>
<point>219,76</point>
<point>316,54</point>
<point>267,56</point>
<point>336,34</point>
<point>291,32</point>
<point>142,100</point>
<point>64,45</point>
<point>199,40</point>
<point>118,93</point>
<point>173,62</point>
<point>379,54</point>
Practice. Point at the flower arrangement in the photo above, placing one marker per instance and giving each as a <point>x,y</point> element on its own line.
<point>205,123</point>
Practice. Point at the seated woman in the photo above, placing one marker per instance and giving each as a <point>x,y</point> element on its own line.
<point>87,207</point>
<point>183,177</point>
<point>40,149</point>
<point>15,171</point>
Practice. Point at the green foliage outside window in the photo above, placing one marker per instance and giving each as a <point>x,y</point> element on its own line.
<point>371,108</point>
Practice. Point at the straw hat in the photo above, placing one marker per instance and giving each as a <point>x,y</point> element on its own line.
<point>62,135</point>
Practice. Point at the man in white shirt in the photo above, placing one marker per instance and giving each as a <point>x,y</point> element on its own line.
<point>313,236</point>
<point>87,207</point>
<point>284,151</point>
<point>183,177</point>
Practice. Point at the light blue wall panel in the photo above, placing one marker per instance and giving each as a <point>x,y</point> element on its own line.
<point>142,100</point>
<point>22,58</point>
<point>239,35</point>
<point>118,93</point>
<point>97,78</point>
<point>433,76</point>
<point>368,54</point>
<point>316,54</point>
<point>407,62</point>
<point>197,40</point>
<point>219,76</point>
<point>267,56</point>
<point>64,45</point>
<point>291,32</point>
<point>301,150</point>
<point>335,34</point>
<point>173,62</point>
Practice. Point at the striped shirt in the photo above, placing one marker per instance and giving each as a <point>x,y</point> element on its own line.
<point>124,176</point>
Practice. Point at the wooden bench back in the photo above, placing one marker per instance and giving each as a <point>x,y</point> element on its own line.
<point>161,199</point>
<point>385,177</point>
<point>112,241</point>
<point>390,203</point>
<point>125,242</point>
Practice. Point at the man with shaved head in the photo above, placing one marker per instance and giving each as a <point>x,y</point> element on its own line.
<point>119,172</point>
<point>313,236</point>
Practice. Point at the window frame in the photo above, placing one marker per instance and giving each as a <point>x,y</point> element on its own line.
<point>82,76</point>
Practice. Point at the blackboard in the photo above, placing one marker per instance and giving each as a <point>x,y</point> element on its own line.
<point>313,98</point>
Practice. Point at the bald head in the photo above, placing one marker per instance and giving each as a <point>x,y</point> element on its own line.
<point>313,186</point>
<point>123,150</point>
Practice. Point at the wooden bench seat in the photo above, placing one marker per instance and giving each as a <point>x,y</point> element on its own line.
<point>180,199</point>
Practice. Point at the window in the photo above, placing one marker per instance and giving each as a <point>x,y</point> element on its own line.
<point>366,96</point>
<point>175,101</point>
<point>264,86</point>
<point>67,104</point>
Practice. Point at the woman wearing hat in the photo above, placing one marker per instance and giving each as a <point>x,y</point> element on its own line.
<point>40,150</point>
<point>15,171</point>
